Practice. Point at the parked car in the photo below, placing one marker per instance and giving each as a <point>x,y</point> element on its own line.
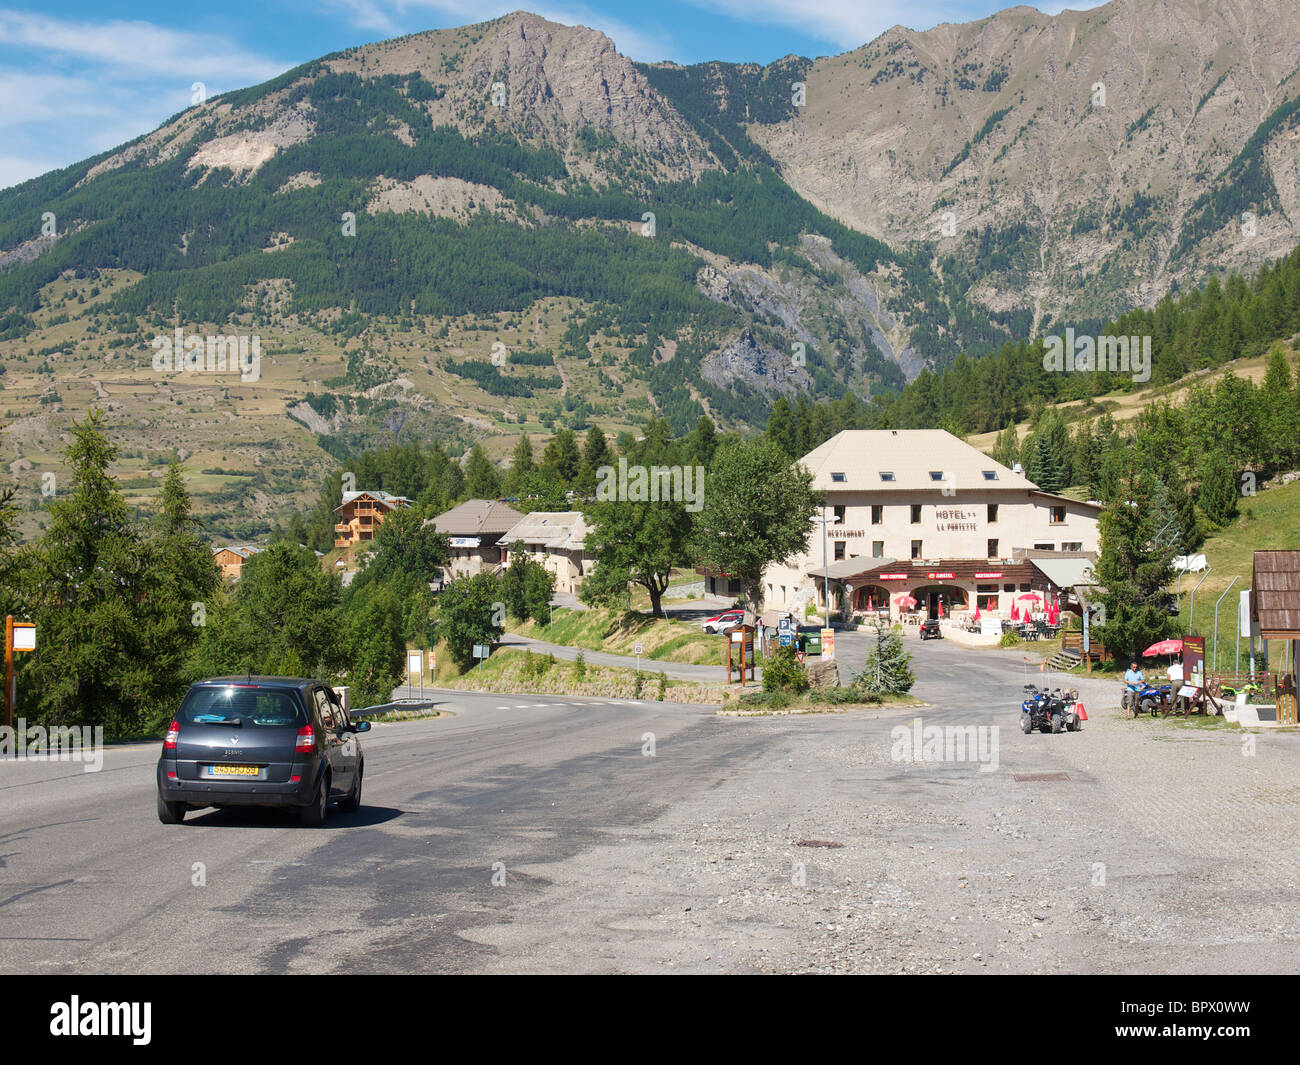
<point>260,741</point>
<point>723,622</point>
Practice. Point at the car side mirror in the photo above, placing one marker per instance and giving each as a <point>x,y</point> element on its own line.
<point>360,726</point>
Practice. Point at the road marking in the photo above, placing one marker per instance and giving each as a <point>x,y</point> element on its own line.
<point>540,706</point>
<point>503,708</point>
<point>522,706</point>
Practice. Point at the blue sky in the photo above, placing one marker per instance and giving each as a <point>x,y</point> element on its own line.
<point>79,77</point>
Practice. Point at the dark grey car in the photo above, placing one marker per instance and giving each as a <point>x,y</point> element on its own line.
<point>261,741</point>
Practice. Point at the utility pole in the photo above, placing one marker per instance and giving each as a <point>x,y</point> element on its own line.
<point>10,693</point>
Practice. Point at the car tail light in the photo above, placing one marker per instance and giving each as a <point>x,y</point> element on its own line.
<point>306,740</point>
<point>173,734</point>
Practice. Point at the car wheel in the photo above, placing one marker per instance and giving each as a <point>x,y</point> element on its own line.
<point>313,815</point>
<point>353,800</point>
<point>170,813</point>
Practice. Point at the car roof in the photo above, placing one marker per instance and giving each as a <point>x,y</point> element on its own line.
<point>260,681</point>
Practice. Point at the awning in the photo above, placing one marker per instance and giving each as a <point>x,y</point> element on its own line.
<point>848,569</point>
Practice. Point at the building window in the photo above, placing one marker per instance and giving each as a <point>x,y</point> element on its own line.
<point>877,514</point>
<point>1072,545</point>
<point>886,475</point>
<point>987,589</point>
<point>916,513</point>
<point>936,475</point>
<point>993,549</point>
<point>839,550</point>
<point>839,515</point>
<point>916,549</point>
<point>993,514</point>
<point>1008,587</point>
<point>1025,587</point>
<point>1044,547</point>
<point>877,548</point>
<point>1058,515</point>
<point>990,475</point>
<point>838,478</point>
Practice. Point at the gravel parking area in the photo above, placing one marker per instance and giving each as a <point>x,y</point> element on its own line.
<point>1129,846</point>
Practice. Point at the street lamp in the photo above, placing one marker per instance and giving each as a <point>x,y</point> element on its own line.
<point>826,569</point>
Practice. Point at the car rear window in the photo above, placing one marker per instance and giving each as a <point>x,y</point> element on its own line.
<point>245,707</point>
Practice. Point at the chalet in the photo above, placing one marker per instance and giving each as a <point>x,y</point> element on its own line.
<point>556,539</point>
<point>476,529</point>
<point>361,513</point>
<point>231,559</point>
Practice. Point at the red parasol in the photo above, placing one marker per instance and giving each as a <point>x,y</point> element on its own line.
<point>1164,647</point>
<point>905,601</point>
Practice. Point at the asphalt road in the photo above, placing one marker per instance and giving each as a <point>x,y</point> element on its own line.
<point>541,834</point>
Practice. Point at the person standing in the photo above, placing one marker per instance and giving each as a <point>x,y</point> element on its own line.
<point>1133,682</point>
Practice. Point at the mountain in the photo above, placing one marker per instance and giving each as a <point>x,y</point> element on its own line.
<point>471,233</point>
<point>1085,163</point>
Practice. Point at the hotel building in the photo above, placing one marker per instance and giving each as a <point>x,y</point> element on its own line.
<point>919,512</point>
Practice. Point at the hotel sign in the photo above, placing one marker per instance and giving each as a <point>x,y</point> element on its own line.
<point>892,576</point>
<point>988,576</point>
<point>955,519</point>
<point>939,577</point>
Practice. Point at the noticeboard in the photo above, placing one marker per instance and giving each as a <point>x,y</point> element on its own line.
<point>1194,661</point>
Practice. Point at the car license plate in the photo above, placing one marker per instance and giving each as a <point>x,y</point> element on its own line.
<point>232,771</point>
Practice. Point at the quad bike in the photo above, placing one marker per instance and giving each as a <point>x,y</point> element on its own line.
<point>1051,711</point>
<point>1147,700</point>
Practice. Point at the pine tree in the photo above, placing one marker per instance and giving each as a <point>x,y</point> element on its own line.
<point>1006,450</point>
<point>481,480</point>
<point>889,666</point>
<point>1217,495</point>
<point>1135,566</point>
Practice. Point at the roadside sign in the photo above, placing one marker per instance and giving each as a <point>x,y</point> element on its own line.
<point>481,650</point>
<point>24,636</point>
<point>828,644</point>
<point>433,661</point>
<point>413,660</point>
<point>636,649</point>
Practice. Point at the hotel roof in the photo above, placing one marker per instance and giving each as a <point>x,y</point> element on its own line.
<point>477,517</point>
<point>905,460</point>
<point>558,530</point>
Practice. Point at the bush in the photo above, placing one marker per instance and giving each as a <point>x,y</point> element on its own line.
<point>580,666</point>
<point>636,688</point>
<point>663,686</point>
<point>766,700</point>
<point>851,694</point>
<point>1009,639</point>
<point>782,671</point>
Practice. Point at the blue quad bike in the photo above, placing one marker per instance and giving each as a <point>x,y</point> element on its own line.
<point>1148,699</point>
<point>1050,711</point>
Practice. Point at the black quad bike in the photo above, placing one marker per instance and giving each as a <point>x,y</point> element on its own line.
<point>1050,711</point>
<point>930,629</point>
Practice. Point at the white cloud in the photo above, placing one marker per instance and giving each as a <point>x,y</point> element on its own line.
<point>139,49</point>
